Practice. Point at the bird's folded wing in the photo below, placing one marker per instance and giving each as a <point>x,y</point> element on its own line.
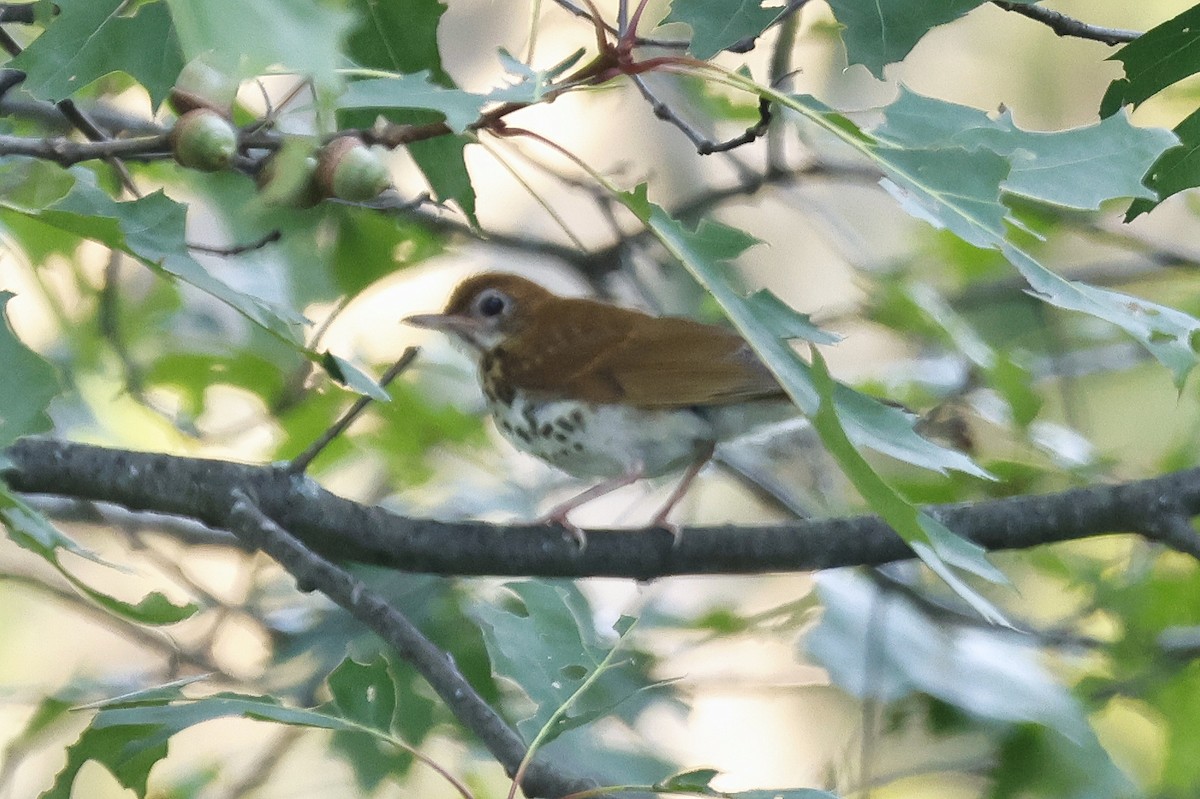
<point>648,362</point>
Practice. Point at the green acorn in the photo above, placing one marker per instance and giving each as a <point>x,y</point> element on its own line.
<point>201,85</point>
<point>203,139</point>
<point>349,170</point>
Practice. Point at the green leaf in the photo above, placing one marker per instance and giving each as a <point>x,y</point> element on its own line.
<point>871,424</point>
<point>33,183</point>
<point>363,705</point>
<point>171,712</point>
<point>989,674</point>
<point>786,322</point>
<point>1077,168</point>
<point>398,36</point>
<point>1013,382</point>
<point>28,386</point>
<point>1161,56</point>
<point>32,531</point>
<point>151,229</point>
<point>401,36</point>
<point>350,376</point>
<point>364,693</point>
<point>960,190</point>
<point>1176,170</point>
<point>93,38</point>
<point>877,34</point>
<point>154,608</point>
<point>697,782</point>
<point>941,550</point>
<point>247,39</point>
<point>694,781</point>
<point>442,162</point>
<point>1041,761</point>
<point>1167,333</point>
<point>547,645</point>
<point>415,90</point>
<point>533,84</point>
<point>950,188</point>
<point>370,246</point>
<point>122,751</point>
<point>718,24</point>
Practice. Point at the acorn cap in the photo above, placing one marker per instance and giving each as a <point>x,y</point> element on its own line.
<point>201,85</point>
<point>349,170</point>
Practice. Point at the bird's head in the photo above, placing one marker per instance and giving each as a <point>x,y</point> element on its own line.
<point>486,310</point>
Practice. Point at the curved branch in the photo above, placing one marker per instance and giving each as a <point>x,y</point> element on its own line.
<point>314,572</point>
<point>343,530</point>
<point>1063,25</point>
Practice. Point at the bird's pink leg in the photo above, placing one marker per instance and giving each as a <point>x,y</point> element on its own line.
<point>558,514</point>
<point>660,518</point>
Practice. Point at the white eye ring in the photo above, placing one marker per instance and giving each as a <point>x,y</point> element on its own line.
<point>492,303</point>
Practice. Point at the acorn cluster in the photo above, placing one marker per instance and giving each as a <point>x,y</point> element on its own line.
<point>205,138</point>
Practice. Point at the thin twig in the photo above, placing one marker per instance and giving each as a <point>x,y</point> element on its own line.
<point>546,206</point>
<point>178,528</point>
<point>263,767</point>
<point>639,41</point>
<point>1063,25</point>
<point>321,329</point>
<point>238,249</point>
<point>66,152</point>
<point>148,637</point>
<point>48,116</point>
<point>9,44</point>
<point>1174,529</point>
<point>108,321</point>
<point>88,127</point>
<point>21,13</point>
<point>748,43</point>
<point>10,78</point>
<point>780,70</point>
<point>703,145</point>
<point>302,461</point>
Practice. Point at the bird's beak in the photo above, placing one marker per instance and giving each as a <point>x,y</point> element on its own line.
<point>447,323</point>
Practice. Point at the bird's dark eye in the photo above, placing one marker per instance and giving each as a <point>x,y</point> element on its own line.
<point>491,305</point>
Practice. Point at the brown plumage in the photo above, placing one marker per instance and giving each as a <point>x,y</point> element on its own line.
<point>603,391</point>
<point>595,352</point>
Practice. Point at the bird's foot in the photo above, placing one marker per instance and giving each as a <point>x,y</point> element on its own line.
<point>660,518</point>
<point>660,522</point>
<point>571,531</point>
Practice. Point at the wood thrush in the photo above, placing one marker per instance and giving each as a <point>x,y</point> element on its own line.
<point>603,391</point>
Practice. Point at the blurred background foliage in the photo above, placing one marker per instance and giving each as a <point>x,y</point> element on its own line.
<point>852,682</point>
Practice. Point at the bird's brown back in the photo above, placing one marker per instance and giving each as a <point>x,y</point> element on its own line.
<point>595,352</point>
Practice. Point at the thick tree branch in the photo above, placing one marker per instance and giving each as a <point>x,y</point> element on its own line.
<point>347,531</point>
